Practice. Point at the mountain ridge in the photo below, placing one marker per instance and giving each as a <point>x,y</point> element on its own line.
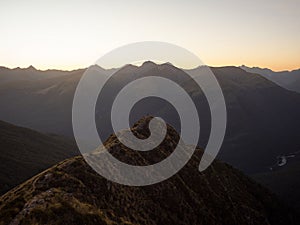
<point>287,79</point>
<point>263,118</point>
<point>71,192</point>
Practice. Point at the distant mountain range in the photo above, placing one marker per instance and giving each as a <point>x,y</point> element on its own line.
<point>287,79</point>
<point>72,193</point>
<point>28,74</point>
<point>263,118</point>
<point>261,115</point>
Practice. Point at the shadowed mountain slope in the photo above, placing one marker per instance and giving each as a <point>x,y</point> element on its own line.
<point>24,153</point>
<point>72,193</point>
<point>263,118</point>
<point>287,79</point>
<point>284,182</point>
<point>261,115</point>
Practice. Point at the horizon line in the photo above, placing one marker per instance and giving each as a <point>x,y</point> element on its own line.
<point>83,68</point>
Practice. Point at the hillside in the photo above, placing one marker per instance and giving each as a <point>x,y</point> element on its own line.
<point>287,79</point>
<point>284,182</point>
<point>263,118</point>
<point>254,105</point>
<point>72,193</point>
<point>24,153</point>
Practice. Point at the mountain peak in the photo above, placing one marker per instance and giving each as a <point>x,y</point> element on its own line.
<point>153,64</point>
<point>141,130</point>
<point>31,67</point>
<point>149,64</point>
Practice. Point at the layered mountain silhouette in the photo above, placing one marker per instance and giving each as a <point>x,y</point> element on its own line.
<point>287,79</point>
<point>24,153</point>
<point>261,115</point>
<point>72,193</point>
<point>28,74</point>
<point>263,118</point>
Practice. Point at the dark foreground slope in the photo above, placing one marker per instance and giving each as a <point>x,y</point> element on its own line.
<point>24,153</point>
<point>72,193</point>
<point>284,182</point>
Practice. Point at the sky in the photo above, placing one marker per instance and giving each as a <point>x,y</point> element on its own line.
<point>73,34</point>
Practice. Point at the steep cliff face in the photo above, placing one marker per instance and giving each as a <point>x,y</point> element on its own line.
<point>72,193</point>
